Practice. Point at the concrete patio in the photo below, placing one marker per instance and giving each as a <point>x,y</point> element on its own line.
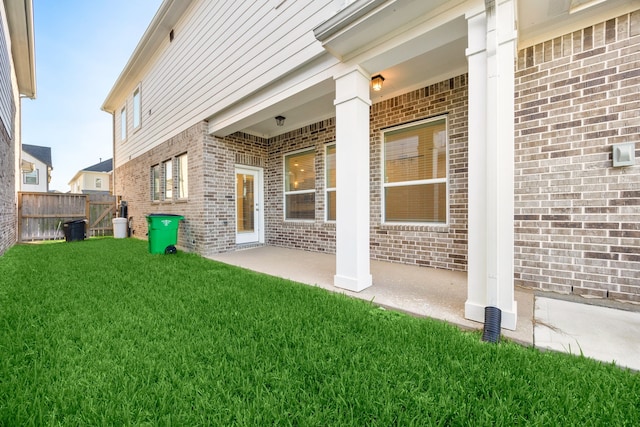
<point>604,330</point>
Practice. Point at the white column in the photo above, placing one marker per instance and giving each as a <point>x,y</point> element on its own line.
<point>491,57</point>
<point>352,180</point>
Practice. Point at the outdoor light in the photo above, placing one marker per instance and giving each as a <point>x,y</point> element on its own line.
<point>280,120</point>
<point>376,82</point>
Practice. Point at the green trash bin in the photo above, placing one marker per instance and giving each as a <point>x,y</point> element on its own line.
<point>163,232</point>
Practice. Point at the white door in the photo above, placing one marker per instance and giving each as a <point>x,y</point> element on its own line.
<point>248,205</point>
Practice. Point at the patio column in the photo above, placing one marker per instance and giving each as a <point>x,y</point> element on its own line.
<point>491,56</point>
<point>352,180</point>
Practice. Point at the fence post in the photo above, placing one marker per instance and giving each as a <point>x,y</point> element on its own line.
<point>87,208</point>
<point>19,239</point>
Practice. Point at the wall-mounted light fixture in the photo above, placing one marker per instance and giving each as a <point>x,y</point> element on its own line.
<point>376,82</point>
<point>280,120</point>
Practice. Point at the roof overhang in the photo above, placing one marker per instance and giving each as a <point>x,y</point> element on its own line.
<point>20,21</point>
<point>352,30</point>
<point>163,22</point>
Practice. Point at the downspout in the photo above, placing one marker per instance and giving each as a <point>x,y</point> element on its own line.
<point>492,314</point>
<point>113,162</point>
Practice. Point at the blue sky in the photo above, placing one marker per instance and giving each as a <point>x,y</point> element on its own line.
<point>81,48</point>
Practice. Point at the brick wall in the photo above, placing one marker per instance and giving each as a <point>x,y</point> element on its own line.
<point>220,157</point>
<point>318,235</point>
<point>8,218</point>
<point>211,184</point>
<point>577,217</point>
<point>432,246</point>
<point>132,182</point>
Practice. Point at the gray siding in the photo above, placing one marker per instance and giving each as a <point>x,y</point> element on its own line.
<point>221,52</point>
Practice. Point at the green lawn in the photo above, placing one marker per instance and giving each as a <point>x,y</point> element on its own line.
<point>100,332</point>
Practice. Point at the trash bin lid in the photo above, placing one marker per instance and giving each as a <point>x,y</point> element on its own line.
<point>75,221</point>
<point>156,218</point>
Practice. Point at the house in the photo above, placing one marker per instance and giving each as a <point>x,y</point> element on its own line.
<point>36,167</point>
<point>93,179</point>
<point>498,138</point>
<point>17,79</point>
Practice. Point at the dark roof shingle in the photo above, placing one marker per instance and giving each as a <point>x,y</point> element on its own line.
<point>41,153</point>
<point>104,166</point>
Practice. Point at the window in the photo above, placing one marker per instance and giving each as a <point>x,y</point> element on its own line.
<point>31,177</point>
<point>299,185</point>
<point>330,182</point>
<point>168,179</point>
<point>182,177</point>
<point>123,124</point>
<point>155,182</point>
<point>98,182</point>
<point>137,112</point>
<point>415,173</point>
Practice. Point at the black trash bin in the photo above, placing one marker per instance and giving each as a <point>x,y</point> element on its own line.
<point>74,230</point>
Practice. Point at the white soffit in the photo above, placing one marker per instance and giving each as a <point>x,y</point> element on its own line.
<point>20,21</point>
<point>543,20</point>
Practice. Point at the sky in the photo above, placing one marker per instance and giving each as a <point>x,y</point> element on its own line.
<point>81,48</point>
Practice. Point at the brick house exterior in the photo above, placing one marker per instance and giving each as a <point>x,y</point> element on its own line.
<point>212,203</point>
<point>573,217</point>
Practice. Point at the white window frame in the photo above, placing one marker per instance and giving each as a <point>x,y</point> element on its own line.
<point>154,168</point>
<point>34,173</point>
<point>286,193</point>
<point>123,124</point>
<point>444,180</point>
<point>98,183</point>
<point>137,108</point>
<point>182,174</point>
<point>328,189</point>
<point>167,187</point>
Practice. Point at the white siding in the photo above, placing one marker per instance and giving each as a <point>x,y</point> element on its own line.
<point>6,97</point>
<point>222,51</point>
<point>87,181</point>
<point>43,172</point>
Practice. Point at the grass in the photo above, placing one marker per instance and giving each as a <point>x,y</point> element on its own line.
<point>102,333</point>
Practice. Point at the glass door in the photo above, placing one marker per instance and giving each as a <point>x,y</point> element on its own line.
<point>248,201</point>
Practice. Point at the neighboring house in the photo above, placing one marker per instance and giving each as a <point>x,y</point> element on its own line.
<point>94,179</point>
<point>36,167</point>
<point>501,141</point>
<point>17,78</point>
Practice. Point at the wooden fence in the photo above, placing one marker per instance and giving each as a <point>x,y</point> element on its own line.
<point>41,216</point>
